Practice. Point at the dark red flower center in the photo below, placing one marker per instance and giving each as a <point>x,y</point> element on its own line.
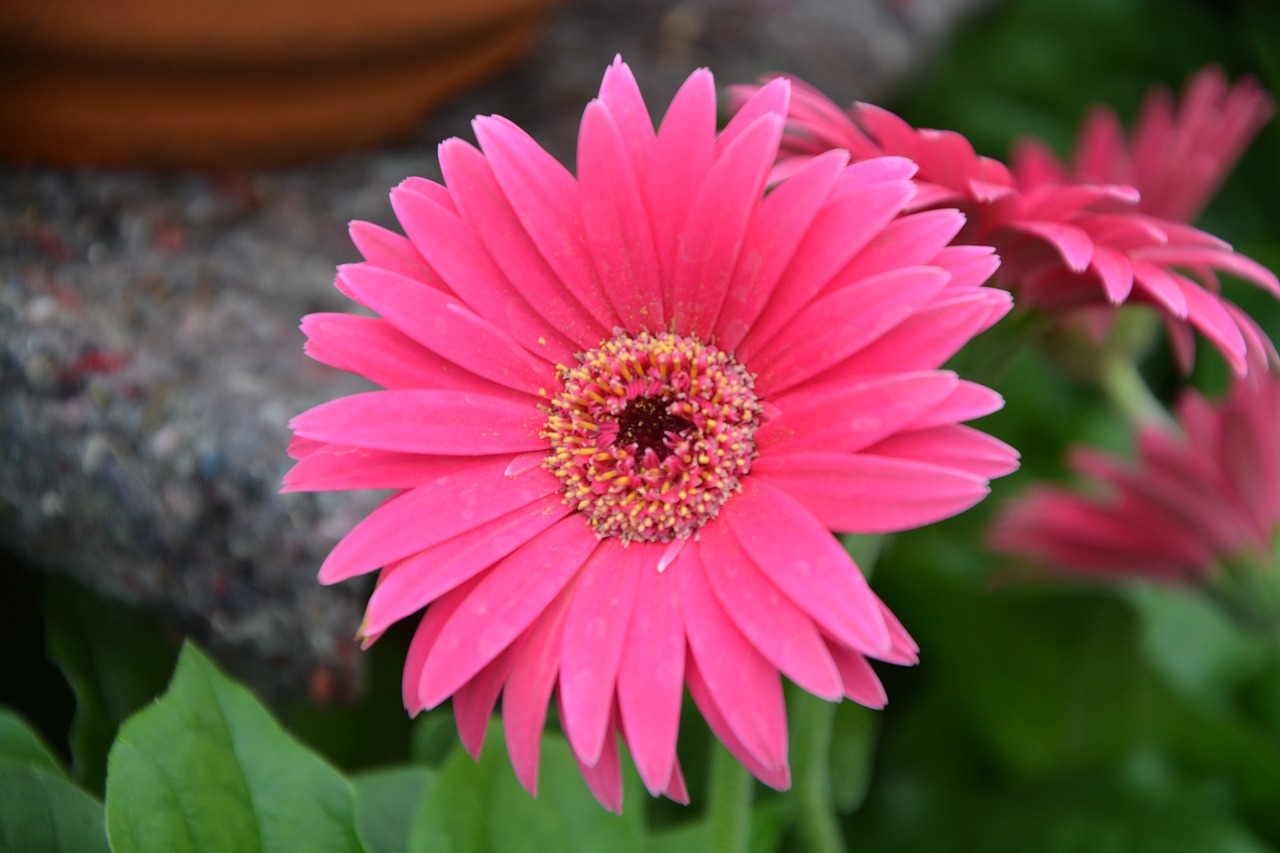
<point>647,425</point>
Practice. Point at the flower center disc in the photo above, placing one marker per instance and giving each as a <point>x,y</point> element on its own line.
<point>651,434</point>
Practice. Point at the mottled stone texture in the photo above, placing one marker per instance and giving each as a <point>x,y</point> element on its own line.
<point>149,352</point>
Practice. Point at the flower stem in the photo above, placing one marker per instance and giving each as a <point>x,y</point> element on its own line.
<point>1124,386</point>
<point>729,803</point>
<point>814,720</point>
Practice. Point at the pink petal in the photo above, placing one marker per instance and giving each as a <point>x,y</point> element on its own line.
<point>548,201</point>
<point>443,325</point>
<point>871,494</point>
<point>300,448</point>
<point>1221,258</point>
<point>456,251</point>
<point>771,99</point>
<point>566,326</point>
<point>1116,273</point>
<point>909,241</point>
<point>1159,287</point>
<point>779,630</point>
<point>511,596</point>
<point>904,650</point>
<point>970,266</point>
<point>453,504</point>
<point>426,421</point>
<point>858,679</point>
<point>651,676</point>
<point>778,778</point>
<point>618,238</point>
<point>474,701</point>
<point>619,92</point>
<point>681,158</point>
<point>417,580</point>
<point>851,417</point>
<point>1262,353</point>
<point>1208,314</point>
<point>677,791</point>
<point>952,446</point>
<point>431,190</point>
<point>333,467</point>
<point>535,663</point>
<point>928,338</point>
<point>375,349</point>
<point>712,234</point>
<point>841,323</point>
<point>804,560</point>
<point>594,635</point>
<point>880,170</point>
<point>966,402</point>
<point>842,228</point>
<point>745,686</point>
<point>604,778</point>
<point>777,226</point>
<point>1071,243</point>
<point>389,250</point>
<point>425,637</point>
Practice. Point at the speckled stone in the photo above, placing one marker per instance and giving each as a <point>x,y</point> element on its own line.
<point>149,351</point>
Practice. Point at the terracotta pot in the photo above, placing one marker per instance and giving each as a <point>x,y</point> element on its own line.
<point>238,83</point>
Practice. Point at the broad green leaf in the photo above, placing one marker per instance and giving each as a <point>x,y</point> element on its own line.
<point>386,802</point>
<point>116,661</point>
<point>207,768</point>
<point>20,743</point>
<point>478,807</point>
<point>41,811</point>
<point>1194,644</point>
<point>434,737</point>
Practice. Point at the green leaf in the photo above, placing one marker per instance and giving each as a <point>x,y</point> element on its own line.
<point>207,768</point>
<point>476,807</point>
<point>386,802</point>
<point>116,661</point>
<point>41,811</point>
<point>20,743</point>
<point>1194,644</point>
<point>434,737</point>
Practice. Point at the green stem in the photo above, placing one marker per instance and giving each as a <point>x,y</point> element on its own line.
<point>1123,384</point>
<point>814,719</point>
<point>729,803</point>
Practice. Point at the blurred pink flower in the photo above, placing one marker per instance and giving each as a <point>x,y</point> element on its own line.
<point>1204,491</point>
<point>622,413</point>
<point>1177,155</point>
<point>1084,238</point>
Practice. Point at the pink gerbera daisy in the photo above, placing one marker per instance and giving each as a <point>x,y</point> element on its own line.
<point>1083,239</point>
<point>1178,153</point>
<point>1204,491</point>
<point>623,411</point>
